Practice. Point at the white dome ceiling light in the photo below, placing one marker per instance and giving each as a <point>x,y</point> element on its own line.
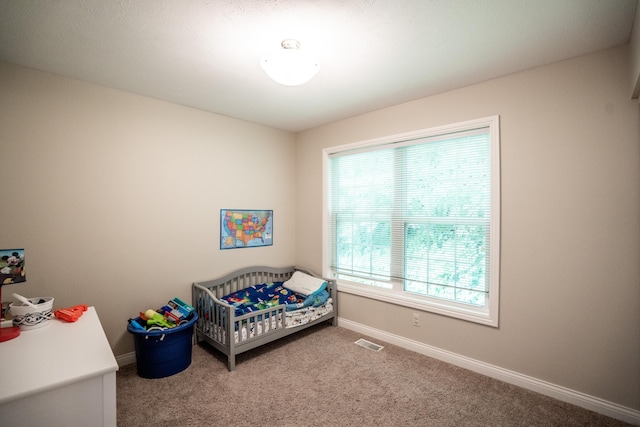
<point>290,65</point>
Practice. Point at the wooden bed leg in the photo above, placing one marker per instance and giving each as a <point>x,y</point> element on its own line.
<point>232,363</point>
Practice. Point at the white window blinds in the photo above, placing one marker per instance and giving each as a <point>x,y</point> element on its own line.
<point>415,215</point>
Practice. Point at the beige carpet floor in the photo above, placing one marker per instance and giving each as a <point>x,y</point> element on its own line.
<point>319,377</point>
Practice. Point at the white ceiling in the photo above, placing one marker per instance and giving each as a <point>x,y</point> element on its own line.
<point>373,53</point>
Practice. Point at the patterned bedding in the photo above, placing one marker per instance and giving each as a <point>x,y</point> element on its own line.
<point>267,295</point>
<point>300,309</point>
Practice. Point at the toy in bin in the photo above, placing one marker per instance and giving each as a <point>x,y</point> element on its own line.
<point>169,316</point>
<point>177,309</point>
<point>156,319</point>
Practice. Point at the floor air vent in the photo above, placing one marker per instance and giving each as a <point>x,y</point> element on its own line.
<point>368,344</point>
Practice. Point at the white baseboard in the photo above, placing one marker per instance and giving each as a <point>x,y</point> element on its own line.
<point>126,359</point>
<point>564,394</point>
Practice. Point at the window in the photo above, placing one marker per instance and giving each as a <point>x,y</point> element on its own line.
<point>413,219</point>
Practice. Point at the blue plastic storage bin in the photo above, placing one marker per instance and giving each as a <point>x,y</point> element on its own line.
<point>161,354</point>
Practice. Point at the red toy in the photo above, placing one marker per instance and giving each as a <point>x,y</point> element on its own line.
<point>71,314</point>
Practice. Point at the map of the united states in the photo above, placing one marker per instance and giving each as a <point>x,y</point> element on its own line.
<point>246,228</point>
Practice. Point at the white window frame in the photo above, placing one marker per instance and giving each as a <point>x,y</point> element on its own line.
<point>487,315</point>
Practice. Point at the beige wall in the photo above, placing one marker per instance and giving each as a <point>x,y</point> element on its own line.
<point>116,198</point>
<point>570,265</point>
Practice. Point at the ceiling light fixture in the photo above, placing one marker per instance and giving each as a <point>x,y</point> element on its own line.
<point>290,65</point>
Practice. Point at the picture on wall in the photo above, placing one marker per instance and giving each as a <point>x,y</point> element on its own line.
<point>12,266</point>
<point>245,228</point>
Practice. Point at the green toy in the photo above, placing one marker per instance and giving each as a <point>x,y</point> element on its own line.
<point>156,319</point>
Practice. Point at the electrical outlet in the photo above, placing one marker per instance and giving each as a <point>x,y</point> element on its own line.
<point>416,319</point>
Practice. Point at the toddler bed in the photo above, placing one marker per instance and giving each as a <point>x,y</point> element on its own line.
<point>257,305</point>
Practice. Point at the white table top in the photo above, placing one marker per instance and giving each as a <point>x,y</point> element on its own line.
<point>54,355</point>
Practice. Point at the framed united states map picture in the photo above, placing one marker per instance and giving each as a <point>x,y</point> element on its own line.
<point>245,228</point>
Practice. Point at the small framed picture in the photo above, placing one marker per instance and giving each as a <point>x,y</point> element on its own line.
<point>241,228</point>
<point>12,266</point>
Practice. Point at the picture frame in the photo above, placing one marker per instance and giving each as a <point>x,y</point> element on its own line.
<point>12,266</point>
<point>245,228</point>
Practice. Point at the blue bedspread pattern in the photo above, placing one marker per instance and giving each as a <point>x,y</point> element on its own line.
<point>267,295</point>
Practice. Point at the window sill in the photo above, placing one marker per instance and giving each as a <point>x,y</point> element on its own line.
<point>432,305</point>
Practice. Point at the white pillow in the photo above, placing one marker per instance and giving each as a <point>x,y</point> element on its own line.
<point>303,283</point>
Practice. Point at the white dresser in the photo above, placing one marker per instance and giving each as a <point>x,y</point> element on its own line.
<point>63,374</point>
